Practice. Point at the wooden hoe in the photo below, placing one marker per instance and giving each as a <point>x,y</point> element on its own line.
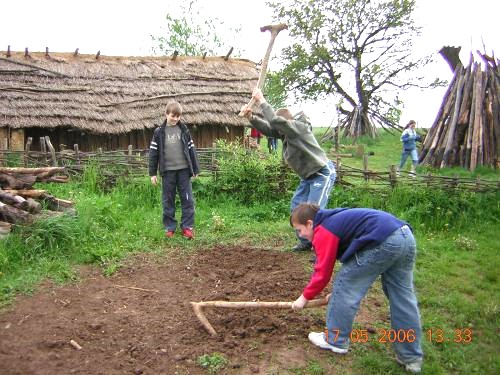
<point>198,306</point>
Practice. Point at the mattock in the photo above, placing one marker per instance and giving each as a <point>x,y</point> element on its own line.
<point>198,306</point>
<point>274,29</point>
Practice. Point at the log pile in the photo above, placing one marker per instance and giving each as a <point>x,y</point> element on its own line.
<point>466,131</point>
<point>21,204</point>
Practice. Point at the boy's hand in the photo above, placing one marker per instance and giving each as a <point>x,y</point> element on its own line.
<point>299,303</point>
<point>258,96</point>
<point>246,111</point>
<point>154,180</point>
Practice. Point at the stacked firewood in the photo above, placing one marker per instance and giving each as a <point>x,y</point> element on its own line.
<point>20,203</point>
<point>466,131</point>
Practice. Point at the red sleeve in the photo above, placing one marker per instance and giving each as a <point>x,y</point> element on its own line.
<point>325,245</point>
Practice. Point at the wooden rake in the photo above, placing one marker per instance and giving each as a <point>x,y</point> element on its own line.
<point>198,308</point>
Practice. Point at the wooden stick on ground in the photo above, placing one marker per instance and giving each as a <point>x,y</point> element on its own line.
<point>198,306</point>
<point>136,288</point>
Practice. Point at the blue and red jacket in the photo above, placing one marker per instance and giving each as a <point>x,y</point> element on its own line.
<point>342,232</point>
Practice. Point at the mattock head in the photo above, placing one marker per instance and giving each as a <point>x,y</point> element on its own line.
<point>274,29</point>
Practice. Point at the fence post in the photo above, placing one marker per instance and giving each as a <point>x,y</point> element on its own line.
<point>478,184</point>
<point>214,160</point>
<point>338,166</point>
<point>77,153</point>
<point>336,137</point>
<point>27,149</point>
<point>428,179</point>
<point>43,149</point>
<point>52,151</point>
<point>393,175</point>
<point>129,157</point>
<point>365,167</point>
<point>4,146</point>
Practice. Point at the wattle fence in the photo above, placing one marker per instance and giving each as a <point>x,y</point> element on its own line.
<point>134,162</point>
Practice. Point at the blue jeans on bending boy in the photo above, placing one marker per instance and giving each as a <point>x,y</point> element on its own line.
<point>394,260</point>
<point>315,189</point>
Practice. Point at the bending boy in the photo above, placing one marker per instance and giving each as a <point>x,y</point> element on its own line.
<point>301,152</point>
<point>369,243</point>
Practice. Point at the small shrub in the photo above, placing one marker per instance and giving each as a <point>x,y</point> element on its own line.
<point>212,363</point>
<point>250,176</point>
<point>465,243</point>
<point>218,223</point>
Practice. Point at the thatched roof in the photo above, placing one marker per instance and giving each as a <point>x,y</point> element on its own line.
<point>118,94</point>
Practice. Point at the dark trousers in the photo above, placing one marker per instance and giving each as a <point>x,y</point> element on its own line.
<point>171,182</point>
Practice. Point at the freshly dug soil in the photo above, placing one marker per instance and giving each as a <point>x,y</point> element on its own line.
<point>140,321</point>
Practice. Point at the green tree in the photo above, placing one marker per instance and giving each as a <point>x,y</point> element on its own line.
<point>275,90</point>
<point>358,51</point>
<point>193,34</point>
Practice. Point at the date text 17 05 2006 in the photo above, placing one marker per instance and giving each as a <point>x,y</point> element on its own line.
<point>459,336</point>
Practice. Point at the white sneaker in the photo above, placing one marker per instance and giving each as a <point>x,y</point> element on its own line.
<point>318,339</point>
<point>413,367</point>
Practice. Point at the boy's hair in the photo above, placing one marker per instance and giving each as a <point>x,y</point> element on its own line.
<point>174,108</point>
<point>302,213</point>
<point>285,113</point>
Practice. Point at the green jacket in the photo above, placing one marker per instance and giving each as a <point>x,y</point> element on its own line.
<point>301,150</point>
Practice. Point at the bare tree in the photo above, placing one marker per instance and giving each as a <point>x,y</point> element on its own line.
<point>356,51</point>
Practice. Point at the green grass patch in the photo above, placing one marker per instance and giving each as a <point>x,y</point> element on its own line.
<point>456,273</point>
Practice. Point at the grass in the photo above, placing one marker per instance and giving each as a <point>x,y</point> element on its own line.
<point>456,274</point>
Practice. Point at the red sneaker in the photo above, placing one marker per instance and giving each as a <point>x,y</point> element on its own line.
<point>188,233</point>
<point>169,233</point>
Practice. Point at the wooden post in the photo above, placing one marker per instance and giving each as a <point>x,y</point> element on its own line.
<point>77,153</point>
<point>27,151</point>
<point>129,157</point>
<point>336,137</point>
<point>393,175</point>
<point>52,151</point>
<point>428,179</point>
<point>365,167</point>
<point>3,147</point>
<point>478,184</point>
<point>338,166</point>
<point>43,149</point>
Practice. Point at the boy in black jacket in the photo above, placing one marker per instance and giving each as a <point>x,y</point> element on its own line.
<point>172,152</point>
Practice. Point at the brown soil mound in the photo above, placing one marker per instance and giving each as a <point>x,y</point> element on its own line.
<point>139,321</point>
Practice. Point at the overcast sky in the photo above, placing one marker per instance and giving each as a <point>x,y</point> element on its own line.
<point>123,28</point>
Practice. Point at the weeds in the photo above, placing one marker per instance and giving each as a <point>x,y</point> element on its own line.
<point>213,363</point>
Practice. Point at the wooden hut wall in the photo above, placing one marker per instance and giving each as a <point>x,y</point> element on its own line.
<point>203,137</point>
<point>206,135</point>
<point>67,138</point>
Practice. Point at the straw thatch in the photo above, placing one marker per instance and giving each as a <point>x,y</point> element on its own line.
<point>96,95</point>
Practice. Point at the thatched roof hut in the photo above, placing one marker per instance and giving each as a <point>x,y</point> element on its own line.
<point>112,102</point>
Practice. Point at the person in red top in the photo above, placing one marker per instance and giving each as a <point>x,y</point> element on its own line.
<point>369,243</point>
<point>255,134</point>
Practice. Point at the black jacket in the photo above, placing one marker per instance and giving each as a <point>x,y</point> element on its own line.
<point>157,154</point>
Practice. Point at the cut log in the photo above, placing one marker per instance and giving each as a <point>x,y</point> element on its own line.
<point>14,215</point>
<point>5,228</point>
<point>22,178</point>
<point>56,204</point>
<point>27,193</point>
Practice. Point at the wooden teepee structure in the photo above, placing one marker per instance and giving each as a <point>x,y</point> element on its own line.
<point>466,131</point>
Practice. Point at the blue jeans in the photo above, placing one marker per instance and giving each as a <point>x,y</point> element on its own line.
<point>315,189</point>
<point>404,156</point>
<point>394,259</point>
<point>171,182</point>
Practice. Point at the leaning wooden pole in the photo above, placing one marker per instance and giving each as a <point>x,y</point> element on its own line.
<point>198,308</point>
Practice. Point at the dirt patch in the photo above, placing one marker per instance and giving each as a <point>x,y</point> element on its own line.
<point>123,330</point>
